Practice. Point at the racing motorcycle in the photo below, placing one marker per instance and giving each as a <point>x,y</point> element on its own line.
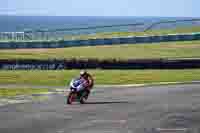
<point>78,96</point>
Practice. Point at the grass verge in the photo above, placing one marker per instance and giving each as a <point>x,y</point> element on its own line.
<point>12,92</point>
<point>187,49</point>
<point>179,30</point>
<point>62,78</point>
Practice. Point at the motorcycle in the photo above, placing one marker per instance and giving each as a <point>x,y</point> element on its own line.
<point>78,96</point>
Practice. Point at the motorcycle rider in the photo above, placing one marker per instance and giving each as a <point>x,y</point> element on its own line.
<point>88,78</point>
<point>80,87</point>
<point>89,81</point>
<point>85,81</point>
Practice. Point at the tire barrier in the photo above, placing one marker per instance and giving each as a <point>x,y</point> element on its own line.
<point>99,64</point>
<point>94,42</point>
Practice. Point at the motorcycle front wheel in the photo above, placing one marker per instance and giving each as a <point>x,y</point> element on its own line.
<point>70,98</point>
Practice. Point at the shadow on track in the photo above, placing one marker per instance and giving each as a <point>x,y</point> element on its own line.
<point>111,102</point>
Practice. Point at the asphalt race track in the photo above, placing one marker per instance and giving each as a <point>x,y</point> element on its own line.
<point>110,110</point>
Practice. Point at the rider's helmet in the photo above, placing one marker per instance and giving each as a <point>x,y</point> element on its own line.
<point>83,73</point>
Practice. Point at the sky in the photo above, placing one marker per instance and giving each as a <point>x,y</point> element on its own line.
<point>162,8</point>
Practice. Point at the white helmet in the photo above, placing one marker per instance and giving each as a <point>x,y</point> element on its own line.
<point>83,72</point>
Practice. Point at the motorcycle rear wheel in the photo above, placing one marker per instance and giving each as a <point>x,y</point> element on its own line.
<point>83,100</point>
<point>84,97</point>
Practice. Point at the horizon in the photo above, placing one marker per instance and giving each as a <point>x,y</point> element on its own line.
<point>39,15</point>
<point>157,8</point>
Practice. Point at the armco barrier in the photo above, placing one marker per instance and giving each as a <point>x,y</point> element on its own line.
<point>105,41</point>
<point>98,64</point>
<point>197,36</point>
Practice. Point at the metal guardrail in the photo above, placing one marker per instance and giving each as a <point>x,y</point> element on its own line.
<point>12,35</point>
<point>94,42</point>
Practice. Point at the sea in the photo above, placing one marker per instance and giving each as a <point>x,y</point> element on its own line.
<point>87,24</point>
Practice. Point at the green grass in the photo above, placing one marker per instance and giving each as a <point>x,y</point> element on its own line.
<point>62,78</point>
<point>187,49</point>
<point>12,92</point>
